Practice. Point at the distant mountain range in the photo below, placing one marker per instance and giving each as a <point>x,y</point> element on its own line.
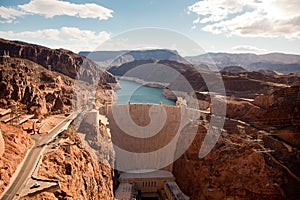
<point>279,62</point>
<point>116,58</point>
<point>284,63</point>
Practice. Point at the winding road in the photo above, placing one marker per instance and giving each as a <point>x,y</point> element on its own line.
<point>32,158</point>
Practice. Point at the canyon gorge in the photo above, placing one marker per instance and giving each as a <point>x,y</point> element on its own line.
<point>256,155</point>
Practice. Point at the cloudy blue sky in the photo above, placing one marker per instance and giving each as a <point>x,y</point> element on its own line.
<point>236,26</point>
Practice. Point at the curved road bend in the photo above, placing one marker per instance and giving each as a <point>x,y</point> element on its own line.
<point>33,158</point>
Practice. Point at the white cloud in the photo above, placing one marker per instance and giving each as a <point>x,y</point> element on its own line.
<point>53,8</point>
<point>271,18</point>
<point>57,7</point>
<point>50,34</point>
<point>215,10</point>
<point>70,38</point>
<point>9,14</point>
<point>247,48</point>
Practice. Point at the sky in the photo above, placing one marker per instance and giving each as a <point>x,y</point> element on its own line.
<point>233,26</point>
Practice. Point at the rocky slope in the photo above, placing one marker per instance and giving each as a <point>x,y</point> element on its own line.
<point>42,80</point>
<point>17,143</point>
<point>80,174</point>
<point>278,109</point>
<point>59,60</point>
<point>243,85</point>
<point>45,81</point>
<point>234,169</point>
<point>277,112</point>
<point>34,88</point>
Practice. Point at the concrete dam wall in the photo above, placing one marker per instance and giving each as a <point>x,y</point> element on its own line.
<point>146,136</point>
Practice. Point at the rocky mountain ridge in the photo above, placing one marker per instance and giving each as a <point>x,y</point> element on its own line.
<point>116,58</point>
<point>43,80</point>
<point>59,60</point>
<point>284,63</point>
<point>280,62</point>
<point>238,82</point>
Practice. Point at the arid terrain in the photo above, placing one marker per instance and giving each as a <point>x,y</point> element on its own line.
<point>256,157</point>
<point>30,85</point>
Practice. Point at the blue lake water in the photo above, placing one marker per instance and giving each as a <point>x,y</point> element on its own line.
<point>137,93</point>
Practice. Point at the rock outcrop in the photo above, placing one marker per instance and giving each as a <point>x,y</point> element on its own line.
<point>96,138</point>
<point>258,159</point>
<point>235,169</point>
<point>42,81</point>
<point>59,60</point>
<point>278,110</point>
<point>17,143</point>
<point>34,89</point>
<point>278,113</point>
<point>80,174</point>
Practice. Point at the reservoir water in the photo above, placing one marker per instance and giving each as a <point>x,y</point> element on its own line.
<point>137,93</point>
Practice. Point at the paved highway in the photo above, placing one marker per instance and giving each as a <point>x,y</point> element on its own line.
<point>33,157</point>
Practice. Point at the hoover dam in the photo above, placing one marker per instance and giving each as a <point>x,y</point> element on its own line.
<point>147,139</point>
<point>143,151</point>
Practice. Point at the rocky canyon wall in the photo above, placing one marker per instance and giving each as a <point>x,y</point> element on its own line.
<point>80,174</point>
<point>60,60</point>
<point>238,167</point>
